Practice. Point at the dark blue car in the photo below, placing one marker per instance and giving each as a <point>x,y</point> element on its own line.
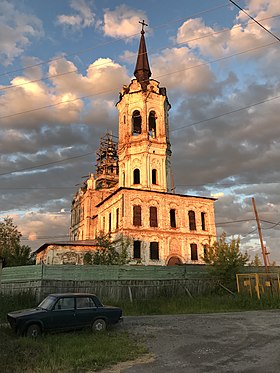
<point>63,312</point>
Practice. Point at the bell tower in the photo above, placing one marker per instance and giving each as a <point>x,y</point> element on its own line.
<point>144,149</point>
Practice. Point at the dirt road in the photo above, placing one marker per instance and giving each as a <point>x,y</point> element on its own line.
<point>230,342</point>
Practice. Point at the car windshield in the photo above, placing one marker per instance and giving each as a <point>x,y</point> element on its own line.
<point>47,303</point>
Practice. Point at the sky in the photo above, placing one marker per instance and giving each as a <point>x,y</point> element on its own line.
<point>62,65</point>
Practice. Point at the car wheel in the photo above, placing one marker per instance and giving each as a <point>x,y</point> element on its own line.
<point>99,325</point>
<point>33,331</point>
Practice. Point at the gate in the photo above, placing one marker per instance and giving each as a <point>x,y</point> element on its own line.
<point>259,284</point>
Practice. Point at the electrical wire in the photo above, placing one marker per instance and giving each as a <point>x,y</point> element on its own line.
<point>258,23</point>
<point>131,56</point>
<point>222,5</point>
<point>46,164</point>
<point>115,88</point>
<point>176,129</point>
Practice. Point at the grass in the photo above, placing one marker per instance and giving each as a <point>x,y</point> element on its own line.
<point>88,352</point>
<point>202,304</point>
<point>79,352</point>
<point>15,302</point>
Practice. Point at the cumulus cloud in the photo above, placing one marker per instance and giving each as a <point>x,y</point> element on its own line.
<point>60,95</point>
<point>17,29</point>
<point>122,21</point>
<point>243,35</point>
<point>103,76</point>
<point>174,68</point>
<point>82,18</point>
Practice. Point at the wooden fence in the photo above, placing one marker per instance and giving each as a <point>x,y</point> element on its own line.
<point>110,282</point>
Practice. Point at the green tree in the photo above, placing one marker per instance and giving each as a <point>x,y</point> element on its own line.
<point>11,250</point>
<point>107,253</point>
<point>225,260</point>
<point>256,262</point>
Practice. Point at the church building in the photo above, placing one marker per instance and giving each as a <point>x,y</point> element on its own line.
<point>131,194</point>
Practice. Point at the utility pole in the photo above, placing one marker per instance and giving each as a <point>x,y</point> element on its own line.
<point>260,235</point>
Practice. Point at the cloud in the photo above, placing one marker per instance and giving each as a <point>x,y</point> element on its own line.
<point>17,30</point>
<point>123,21</point>
<point>60,95</point>
<point>103,76</point>
<point>83,18</point>
<point>174,68</point>
<point>37,228</point>
<point>244,35</point>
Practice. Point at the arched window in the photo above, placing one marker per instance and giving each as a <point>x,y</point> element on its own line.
<point>192,223</point>
<point>136,123</point>
<point>153,217</point>
<point>152,124</point>
<point>137,216</point>
<point>194,255</point>
<point>136,176</point>
<point>154,176</point>
<point>203,225</point>
<point>154,251</point>
<point>172,218</point>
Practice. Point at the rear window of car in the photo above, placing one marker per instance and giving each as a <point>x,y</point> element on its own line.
<point>85,302</point>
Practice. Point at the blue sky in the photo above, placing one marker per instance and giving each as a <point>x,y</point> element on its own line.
<point>214,62</point>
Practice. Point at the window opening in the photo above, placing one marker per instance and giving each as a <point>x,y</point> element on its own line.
<point>117,218</point>
<point>153,216</point>
<point>194,251</point>
<point>137,249</point>
<point>137,215</point>
<point>173,218</point>
<point>154,176</point>
<point>110,222</point>
<point>123,179</point>
<point>192,223</point>
<point>152,124</point>
<point>203,226</point>
<point>136,123</point>
<point>154,251</point>
<point>136,176</point>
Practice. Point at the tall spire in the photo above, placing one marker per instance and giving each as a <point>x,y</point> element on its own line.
<point>142,70</point>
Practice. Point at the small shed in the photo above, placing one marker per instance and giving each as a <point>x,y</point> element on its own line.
<point>64,252</point>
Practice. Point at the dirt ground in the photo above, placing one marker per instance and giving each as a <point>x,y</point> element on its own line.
<point>229,342</point>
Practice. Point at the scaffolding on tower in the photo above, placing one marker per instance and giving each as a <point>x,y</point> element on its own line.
<point>107,167</point>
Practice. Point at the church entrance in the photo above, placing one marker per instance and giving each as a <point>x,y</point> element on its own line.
<point>174,260</point>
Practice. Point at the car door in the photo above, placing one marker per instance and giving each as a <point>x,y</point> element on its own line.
<point>63,314</point>
<point>86,311</point>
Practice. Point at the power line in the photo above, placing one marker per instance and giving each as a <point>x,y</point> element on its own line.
<point>176,186</point>
<point>236,185</point>
<point>114,89</point>
<point>226,113</point>
<point>222,5</point>
<point>258,23</point>
<point>132,56</point>
<point>177,129</point>
<point>46,164</point>
<point>217,224</point>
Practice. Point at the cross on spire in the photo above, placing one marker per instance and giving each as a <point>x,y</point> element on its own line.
<point>143,24</point>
